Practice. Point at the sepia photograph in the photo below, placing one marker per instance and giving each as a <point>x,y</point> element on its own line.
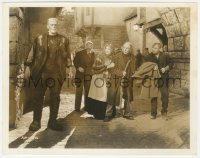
<point>100,76</point>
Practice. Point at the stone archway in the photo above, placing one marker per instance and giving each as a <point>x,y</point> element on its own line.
<point>176,22</point>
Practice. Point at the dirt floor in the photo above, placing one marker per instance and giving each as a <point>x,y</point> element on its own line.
<point>83,131</point>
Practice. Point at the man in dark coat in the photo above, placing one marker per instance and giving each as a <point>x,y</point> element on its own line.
<point>139,59</point>
<point>145,54</point>
<point>120,78</point>
<point>83,62</point>
<point>165,64</point>
<point>47,60</point>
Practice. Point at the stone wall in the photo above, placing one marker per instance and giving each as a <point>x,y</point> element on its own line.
<point>19,44</point>
<point>177,24</point>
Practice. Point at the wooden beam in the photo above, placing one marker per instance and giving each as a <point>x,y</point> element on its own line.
<point>161,37</point>
<point>152,23</point>
<point>157,34</point>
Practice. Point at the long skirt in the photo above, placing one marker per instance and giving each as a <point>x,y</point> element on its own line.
<point>97,108</point>
<point>97,97</point>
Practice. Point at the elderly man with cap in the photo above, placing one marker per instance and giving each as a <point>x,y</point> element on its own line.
<point>121,78</point>
<point>47,60</point>
<point>83,62</point>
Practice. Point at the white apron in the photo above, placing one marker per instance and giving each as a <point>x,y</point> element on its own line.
<point>98,89</point>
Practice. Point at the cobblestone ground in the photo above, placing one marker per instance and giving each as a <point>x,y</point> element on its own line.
<point>82,131</point>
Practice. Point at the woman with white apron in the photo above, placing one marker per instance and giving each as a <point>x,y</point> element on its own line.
<point>98,89</point>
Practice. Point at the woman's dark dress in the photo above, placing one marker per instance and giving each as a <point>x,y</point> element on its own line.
<point>97,108</point>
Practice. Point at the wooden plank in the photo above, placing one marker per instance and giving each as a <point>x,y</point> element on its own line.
<point>152,23</point>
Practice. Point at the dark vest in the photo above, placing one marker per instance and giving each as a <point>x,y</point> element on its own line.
<point>39,53</point>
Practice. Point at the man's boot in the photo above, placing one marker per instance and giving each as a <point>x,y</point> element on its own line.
<point>35,126</point>
<point>54,125</point>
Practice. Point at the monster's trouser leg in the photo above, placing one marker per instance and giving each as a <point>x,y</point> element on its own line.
<point>54,101</point>
<point>38,99</point>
